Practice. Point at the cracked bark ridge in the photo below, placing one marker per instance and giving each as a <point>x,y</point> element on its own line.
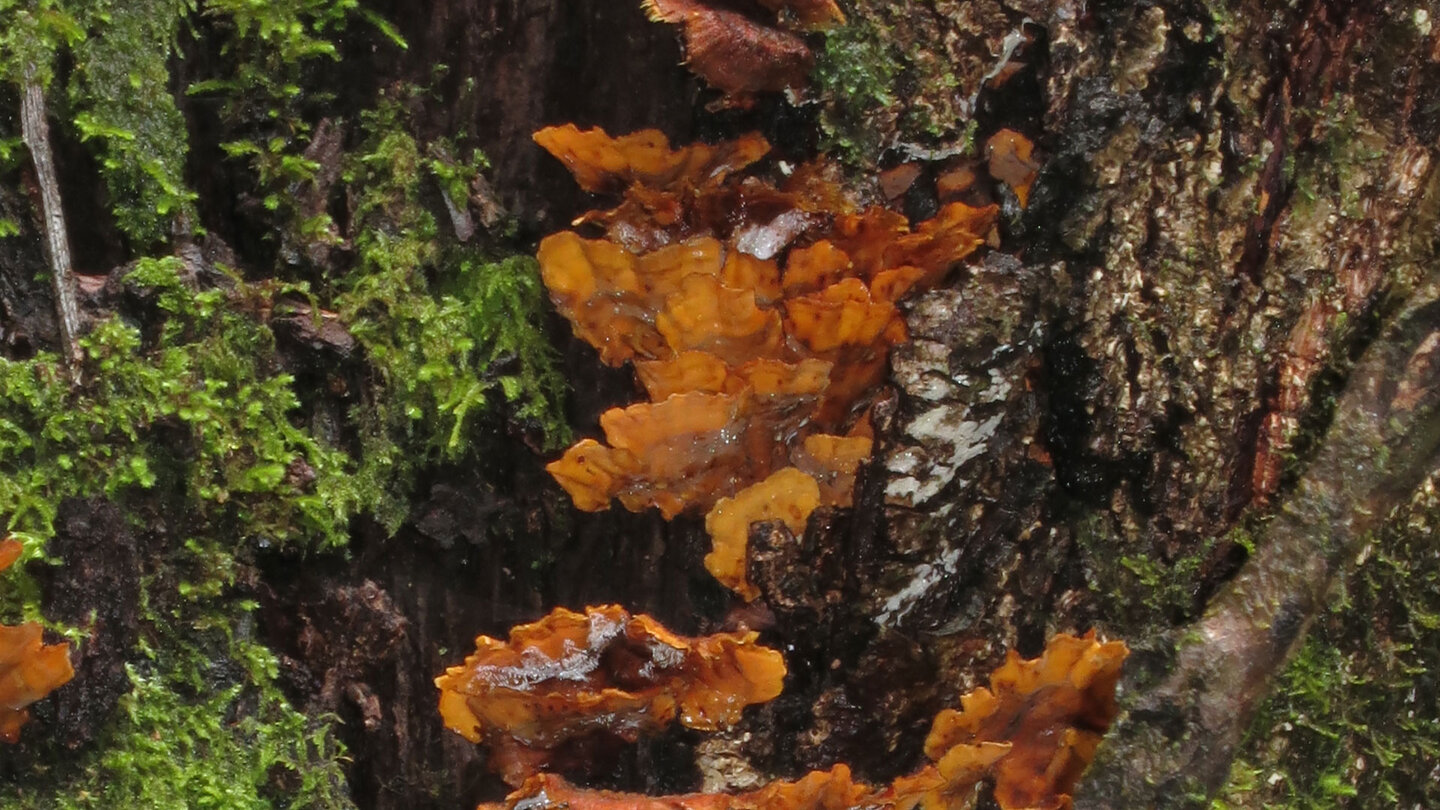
<point>967,459</point>
<point>1176,739</point>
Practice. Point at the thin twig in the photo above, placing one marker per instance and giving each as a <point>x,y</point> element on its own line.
<point>36,134</point>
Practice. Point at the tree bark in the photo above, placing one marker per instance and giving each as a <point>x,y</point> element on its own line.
<point>1237,200</point>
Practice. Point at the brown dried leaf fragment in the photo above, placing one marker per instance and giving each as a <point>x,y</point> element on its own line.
<point>1012,162</point>
<point>954,181</point>
<point>29,668</point>
<point>573,674</point>
<point>605,164</point>
<point>733,53</point>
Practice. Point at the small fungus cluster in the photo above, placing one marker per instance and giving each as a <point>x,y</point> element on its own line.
<point>1031,735</point>
<point>744,47</point>
<point>574,674</point>
<point>29,668</point>
<point>758,316</point>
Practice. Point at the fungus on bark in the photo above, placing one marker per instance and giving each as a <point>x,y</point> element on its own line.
<point>788,496</point>
<point>1030,734</point>
<point>822,790</point>
<point>1052,711</point>
<point>573,674</point>
<point>757,317</point>
<point>29,668</point>
<point>604,164</point>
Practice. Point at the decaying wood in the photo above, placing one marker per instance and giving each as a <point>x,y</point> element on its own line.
<point>36,134</point>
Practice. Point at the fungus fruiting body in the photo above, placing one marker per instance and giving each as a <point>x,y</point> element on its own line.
<point>571,674</point>
<point>29,668</point>
<point>1031,735</point>
<point>822,790</point>
<point>758,317</point>
<point>1050,711</point>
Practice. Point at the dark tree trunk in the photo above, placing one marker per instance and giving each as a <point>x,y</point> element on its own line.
<point>1087,427</point>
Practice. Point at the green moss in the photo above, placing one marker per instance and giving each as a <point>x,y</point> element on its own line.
<point>31,33</point>
<point>449,333</point>
<point>202,410</point>
<point>204,724</point>
<point>186,417</point>
<point>1351,722</point>
<point>887,78</point>
<point>266,104</point>
<point>855,73</point>
<point>1143,595</point>
<point>121,97</point>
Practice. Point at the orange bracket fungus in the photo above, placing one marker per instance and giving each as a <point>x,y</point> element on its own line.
<point>572,674</point>
<point>29,669</point>
<point>1031,735</point>
<point>1050,712</point>
<point>759,319</point>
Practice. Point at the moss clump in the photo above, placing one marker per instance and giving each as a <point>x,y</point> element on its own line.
<point>201,410</point>
<point>1142,595</point>
<point>120,96</point>
<point>856,74</point>
<point>902,74</point>
<point>204,724</point>
<point>122,100</point>
<point>449,333</point>
<point>1351,722</point>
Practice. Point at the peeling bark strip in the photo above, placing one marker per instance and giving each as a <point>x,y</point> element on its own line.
<point>1174,745</point>
<point>36,134</point>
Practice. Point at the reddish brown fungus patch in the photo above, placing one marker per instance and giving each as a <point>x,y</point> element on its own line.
<point>750,49</point>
